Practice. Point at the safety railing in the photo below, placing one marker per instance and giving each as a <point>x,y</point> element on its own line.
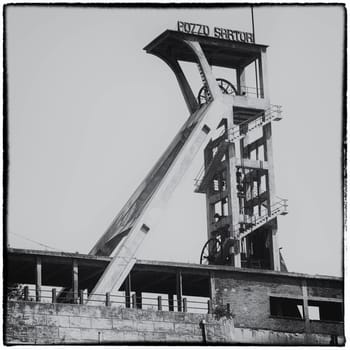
<point>241,130</point>
<point>135,301</point>
<point>258,120</point>
<point>251,223</point>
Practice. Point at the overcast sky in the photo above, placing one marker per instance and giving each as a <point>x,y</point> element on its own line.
<point>90,113</point>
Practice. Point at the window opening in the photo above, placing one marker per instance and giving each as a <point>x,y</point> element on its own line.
<point>285,307</point>
<point>325,311</point>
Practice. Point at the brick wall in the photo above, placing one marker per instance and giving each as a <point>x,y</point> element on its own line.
<point>39,323</point>
<point>250,295</point>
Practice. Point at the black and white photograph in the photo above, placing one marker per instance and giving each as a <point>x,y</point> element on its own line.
<point>174,174</point>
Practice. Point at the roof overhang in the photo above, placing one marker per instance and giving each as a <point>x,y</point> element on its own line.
<point>219,52</point>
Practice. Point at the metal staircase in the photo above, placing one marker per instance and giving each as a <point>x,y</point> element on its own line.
<point>248,224</point>
<point>239,131</point>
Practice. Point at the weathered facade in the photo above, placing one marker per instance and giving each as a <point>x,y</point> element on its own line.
<point>237,305</point>
<point>241,293</point>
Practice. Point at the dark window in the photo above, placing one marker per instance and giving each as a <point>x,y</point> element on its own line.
<point>325,311</point>
<point>285,307</point>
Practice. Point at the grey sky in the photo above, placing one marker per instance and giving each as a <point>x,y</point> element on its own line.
<point>90,113</point>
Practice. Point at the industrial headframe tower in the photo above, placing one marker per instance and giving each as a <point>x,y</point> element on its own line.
<point>238,175</point>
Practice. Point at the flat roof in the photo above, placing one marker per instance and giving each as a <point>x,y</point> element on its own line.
<point>219,52</point>
<point>86,260</point>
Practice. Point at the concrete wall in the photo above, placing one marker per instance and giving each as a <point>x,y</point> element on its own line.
<point>30,322</point>
<point>38,323</point>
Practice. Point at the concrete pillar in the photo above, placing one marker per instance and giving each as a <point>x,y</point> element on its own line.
<point>179,290</point>
<point>270,188</point>
<point>240,78</point>
<point>38,279</point>
<point>233,202</point>
<point>133,301</point>
<point>263,75</point>
<point>268,156</point>
<point>75,282</point>
<point>207,159</point>
<point>306,311</point>
<point>127,290</point>
<point>274,247</point>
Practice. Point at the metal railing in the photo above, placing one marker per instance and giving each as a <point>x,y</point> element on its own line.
<point>159,303</point>
<point>241,130</point>
<point>251,223</point>
<point>260,119</point>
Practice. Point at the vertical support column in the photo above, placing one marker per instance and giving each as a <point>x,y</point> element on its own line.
<point>108,299</point>
<point>207,159</point>
<point>210,307</point>
<point>38,279</point>
<point>240,78</point>
<point>171,302</point>
<point>268,156</point>
<point>263,76</point>
<point>81,297</point>
<point>138,299</point>
<point>212,292</point>
<point>270,188</point>
<point>259,191</point>
<point>233,203</point>
<point>75,282</point>
<point>26,293</point>
<point>53,296</point>
<point>127,290</point>
<point>159,299</point>
<point>133,301</point>
<point>184,305</point>
<point>179,290</point>
<point>306,310</point>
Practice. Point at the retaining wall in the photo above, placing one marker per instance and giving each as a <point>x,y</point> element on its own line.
<point>39,323</point>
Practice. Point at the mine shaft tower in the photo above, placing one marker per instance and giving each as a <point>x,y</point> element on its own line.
<point>238,173</point>
<point>237,177</point>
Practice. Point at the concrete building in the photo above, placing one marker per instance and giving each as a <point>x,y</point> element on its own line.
<point>241,292</point>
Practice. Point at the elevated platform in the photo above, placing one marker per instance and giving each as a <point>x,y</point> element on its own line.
<point>146,276</point>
